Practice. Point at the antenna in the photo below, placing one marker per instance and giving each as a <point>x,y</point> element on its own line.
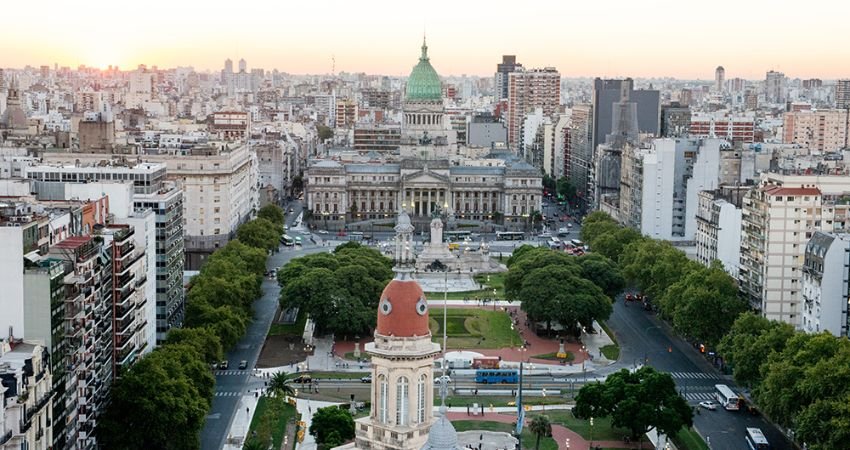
<point>333,65</point>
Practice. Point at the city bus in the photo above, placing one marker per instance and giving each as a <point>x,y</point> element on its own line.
<point>496,376</point>
<point>509,235</point>
<point>756,440</point>
<point>726,397</point>
<point>449,236</point>
<point>287,240</point>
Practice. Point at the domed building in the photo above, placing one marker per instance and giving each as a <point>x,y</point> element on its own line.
<point>402,359</point>
<point>424,113</point>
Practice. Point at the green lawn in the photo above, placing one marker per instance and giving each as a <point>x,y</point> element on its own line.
<point>528,439</point>
<point>554,356</point>
<point>602,430</point>
<point>270,419</point>
<point>471,328</point>
<point>497,281</point>
<point>608,330</point>
<point>611,352</point>
<point>296,329</point>
<point>688,439</point>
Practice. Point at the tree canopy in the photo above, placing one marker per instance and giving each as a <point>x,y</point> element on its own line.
<point>330,420</point>
<point>260,233</point>
<point>272,213</point>
<point>339,290</point>
<point>556,294</point>
<point>638,401</point>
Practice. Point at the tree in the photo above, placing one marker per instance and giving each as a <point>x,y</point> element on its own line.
<point>824,424</point>
<point>602,272</point>
<point>272,213</point>
<point>639,401</point>
<point>260,233</point>
<point>535,259</point>
<point>749,343</point>
<point>331,419</point>
<point>610,243</point>
<point>254,259</point>
<point>566,189</point>
<point>704,304</point>
<point>226,322</point>
<point>157,404</point>
<point>203,340</point>
<point>556,294</point>
<point>281,384</point>
<point>324,132</point>
<point>549,182</point>
<point>654,265</point>
<point>540,426</point>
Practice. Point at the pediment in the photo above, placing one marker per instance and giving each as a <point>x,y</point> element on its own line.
<point>424,178</point>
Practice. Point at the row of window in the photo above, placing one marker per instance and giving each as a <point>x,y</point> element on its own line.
<point>402,387</point>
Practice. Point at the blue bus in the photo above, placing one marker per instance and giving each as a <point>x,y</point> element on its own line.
<point>496,376</point>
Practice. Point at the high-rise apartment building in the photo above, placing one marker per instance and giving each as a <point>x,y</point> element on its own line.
<point>579,147</point>
<point>675,120</point>
<point>607,93</point>
<point>527,91</point>
<point>825,284</point>
<point>718,235</point>
<point>842,94</point>
<point>719,79</point>
<point>508,65</point>
<point>26,411</point>
<point>774,87</point>
<point>823,130</point>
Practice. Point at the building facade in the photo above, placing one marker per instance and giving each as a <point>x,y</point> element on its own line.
<point>26,410</point>
<point>721,126</point>
<point>824,130</point>
<point>718,235</point>
<point>527,91</point>
<point>826,284</point>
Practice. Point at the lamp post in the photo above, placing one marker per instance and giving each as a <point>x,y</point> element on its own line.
<point>568,443</point>
<point>591,431</point>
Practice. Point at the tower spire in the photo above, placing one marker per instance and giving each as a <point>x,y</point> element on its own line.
<point>424,56</point>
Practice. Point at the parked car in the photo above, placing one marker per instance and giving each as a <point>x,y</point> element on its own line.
<point>366,379</point>
<point>223,365</point>
<point>708,404</point>
<point>243,365</point>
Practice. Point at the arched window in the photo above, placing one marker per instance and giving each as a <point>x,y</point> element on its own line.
<point>383,391</point>
<point>420,398</point>
<point>401,401</point>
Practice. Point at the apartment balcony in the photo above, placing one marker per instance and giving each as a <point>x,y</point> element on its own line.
<point>5,438</point>
<point>125,326</point>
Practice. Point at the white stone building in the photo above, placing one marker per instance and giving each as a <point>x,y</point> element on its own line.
<point>825,284</point>
<point>26,411</point>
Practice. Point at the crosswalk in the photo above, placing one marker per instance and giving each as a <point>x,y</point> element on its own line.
<point>698,396</point>
<point>227,394</point>
<point>232,372</point>
<point>694,376</point>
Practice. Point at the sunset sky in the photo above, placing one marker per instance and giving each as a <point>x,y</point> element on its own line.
<point>683,39</point>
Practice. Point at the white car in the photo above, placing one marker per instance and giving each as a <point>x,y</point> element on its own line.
<point>708,404</point>
<point>545,235</point>
<point>323,231</point>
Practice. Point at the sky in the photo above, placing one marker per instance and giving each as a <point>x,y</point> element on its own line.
<point>610,38</point>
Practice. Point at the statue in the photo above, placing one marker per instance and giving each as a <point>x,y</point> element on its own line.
<point>436,230</point>
<point>444,388</point>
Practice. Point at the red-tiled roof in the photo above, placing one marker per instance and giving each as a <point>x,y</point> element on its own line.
<point>73,242</point>
<point>783,190</point>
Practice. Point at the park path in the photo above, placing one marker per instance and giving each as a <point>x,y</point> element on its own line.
<point>536,345</point>
<point>559,433</point>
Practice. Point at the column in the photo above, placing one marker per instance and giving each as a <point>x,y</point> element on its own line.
<point>429,203</point>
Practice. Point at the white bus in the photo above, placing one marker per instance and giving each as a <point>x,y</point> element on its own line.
<point>756,440</point>
<point>726,397</point>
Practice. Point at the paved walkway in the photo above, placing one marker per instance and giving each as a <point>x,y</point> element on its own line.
<point>559,433</point>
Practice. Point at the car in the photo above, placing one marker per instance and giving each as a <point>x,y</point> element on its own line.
<point>366,379</point>
<point>243,365</point>
<point>223,365</point>
<point>286,227</point>
<point>302,379</point>
<point>290,210</point>
<point>569,225</point>
<point>323,231</point>
<point>545,235</point>
<point>708,404</point>
<point>448,379</point>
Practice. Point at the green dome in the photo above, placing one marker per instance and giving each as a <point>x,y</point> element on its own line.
<point>424,83</point>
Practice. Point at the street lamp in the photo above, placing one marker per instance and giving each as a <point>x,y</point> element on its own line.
<point>568,443</point>
<point>591,431</point>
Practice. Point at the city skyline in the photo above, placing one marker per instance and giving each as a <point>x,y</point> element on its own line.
<point>657,38</point>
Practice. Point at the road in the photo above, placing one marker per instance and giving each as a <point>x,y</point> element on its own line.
<point>231,384</point>
<point>643,337</point>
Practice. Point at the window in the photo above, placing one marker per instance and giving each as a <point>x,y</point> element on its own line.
<point>401,401</point>
<point>420,399</point>
<point>382,399</point>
